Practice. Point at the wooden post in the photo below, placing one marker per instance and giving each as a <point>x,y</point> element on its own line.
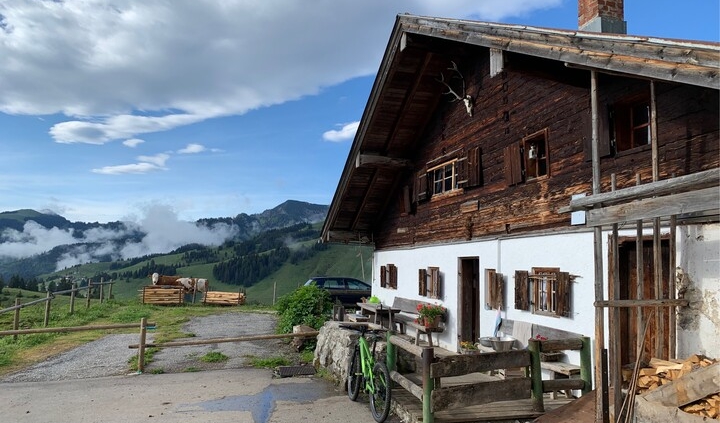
<point>89,292</point>
<point>536,376</point>
<point>102,284</point>
<point>640,277</point>
<point>274,291</point>
<point>428,384</point>
<point>72,298</point>
<point>110,290</point>
<point>391,349</point>
<point>47,309</point>
<point>16,318</point>
<point>598,250</point>
<point>141,347</point>
<point>671,288</point>
<point>604,391</point>
<point>615,326</point>
<point>586,365</point>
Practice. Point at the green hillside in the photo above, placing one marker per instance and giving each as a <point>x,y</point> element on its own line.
<point>341,260</point>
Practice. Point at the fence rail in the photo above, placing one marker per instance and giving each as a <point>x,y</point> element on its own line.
<point>51,296</point>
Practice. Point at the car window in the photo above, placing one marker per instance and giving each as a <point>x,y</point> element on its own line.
<point>334,284</point>
<point>354,284</point>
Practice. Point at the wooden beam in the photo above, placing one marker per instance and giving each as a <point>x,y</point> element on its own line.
<point>669,205</point>
<point>693,181</point>
<point>643,303</point>
<point>377,160</point>
<point>408,384</point>
<point>480,393</point>
<point>463,364</point>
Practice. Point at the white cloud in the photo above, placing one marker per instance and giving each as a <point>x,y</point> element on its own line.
<point>133,67</point>
<point>347,132</point>
<point>162,232</point>
<point>133,142</point>
<point>158,159</point>
<point>192,149</point>
<point>134,168</point>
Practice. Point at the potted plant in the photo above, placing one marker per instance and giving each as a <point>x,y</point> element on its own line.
<point>429,314</point>
<point>467,347</point>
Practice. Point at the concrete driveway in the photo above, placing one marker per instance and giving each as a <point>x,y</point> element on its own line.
<point>238,396</point>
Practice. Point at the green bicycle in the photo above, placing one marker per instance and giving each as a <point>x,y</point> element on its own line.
<point>373,376</point>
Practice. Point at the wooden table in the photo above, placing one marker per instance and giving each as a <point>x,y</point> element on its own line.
<point>379,311</point>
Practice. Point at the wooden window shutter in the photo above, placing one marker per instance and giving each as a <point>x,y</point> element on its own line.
<point>392,277</point>
<point>495,293</point>
<point>604,136</point>
<point>406,206</point>
<point>434,289</point>
<point>421,186</point>
<point>422,282</point>
<point>473,167</point>
<point>522,290</point>
<point>383,277</point>
<point>461,170</point>
<point>563,294</point>
<point>513,167</point>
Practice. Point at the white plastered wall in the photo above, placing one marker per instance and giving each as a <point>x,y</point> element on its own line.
<point>698,269</point>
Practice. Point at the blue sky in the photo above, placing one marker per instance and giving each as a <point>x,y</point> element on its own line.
<point>215,108</point>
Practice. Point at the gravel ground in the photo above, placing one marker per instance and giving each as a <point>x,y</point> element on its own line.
<point>109,355</point>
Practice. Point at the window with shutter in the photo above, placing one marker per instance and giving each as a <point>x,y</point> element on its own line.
<point>421,186</point>
<point>550,291</point>
<point>522,290</point>
<point>563,294</point>
<point>383,276</point>
<point>474,169</point>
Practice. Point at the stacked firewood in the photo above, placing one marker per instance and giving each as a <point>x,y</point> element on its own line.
<point>662,372</point>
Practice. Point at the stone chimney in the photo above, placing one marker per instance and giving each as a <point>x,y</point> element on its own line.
<point>602,16</point>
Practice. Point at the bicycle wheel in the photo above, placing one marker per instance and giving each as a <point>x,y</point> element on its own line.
<point>354,376</point>
<point>380,399</point>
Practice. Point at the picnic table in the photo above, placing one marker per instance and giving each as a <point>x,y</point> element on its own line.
<point>379,311</point>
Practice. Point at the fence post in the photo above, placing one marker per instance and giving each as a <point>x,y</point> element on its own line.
<point>536,375</point>
<point>72,298</point>
<point>586,365</point>
<point>47,308</point>
<point>428,384</point>
<point>391,351</point>
<point>89,292</point>
<point>141,347</point>
<point>102,284</point>
<point>16,318</point>
<point>110,290</point>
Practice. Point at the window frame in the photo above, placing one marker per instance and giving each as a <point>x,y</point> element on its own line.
<point>625,124</point>
<point>536,166</point>
<point>433,180</point>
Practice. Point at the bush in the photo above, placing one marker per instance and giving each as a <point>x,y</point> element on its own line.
<point>307,305</point>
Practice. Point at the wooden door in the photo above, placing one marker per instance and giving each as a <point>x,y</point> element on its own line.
<point>630,332</point>
<point>469,300</point>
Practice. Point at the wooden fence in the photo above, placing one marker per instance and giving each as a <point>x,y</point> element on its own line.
<point>436,398</point>
<point>51,296</point>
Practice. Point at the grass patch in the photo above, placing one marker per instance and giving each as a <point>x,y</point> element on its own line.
<point>269,363</point>
<point>149,354</point>
<point>307,356</point>
<point>214,357</point>
<point>157,371</point>
<point>191,370</point>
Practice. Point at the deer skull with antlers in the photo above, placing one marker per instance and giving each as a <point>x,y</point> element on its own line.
<point>466,98</point>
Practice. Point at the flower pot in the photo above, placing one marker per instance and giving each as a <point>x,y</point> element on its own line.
<point>430,322</point>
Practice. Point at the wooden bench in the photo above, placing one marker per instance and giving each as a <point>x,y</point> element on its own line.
<point>560,370</point>
<point>407,316</point>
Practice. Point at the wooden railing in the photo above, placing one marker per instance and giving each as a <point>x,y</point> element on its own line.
<point>435,398</point>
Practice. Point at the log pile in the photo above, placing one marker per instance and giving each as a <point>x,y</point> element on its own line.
<point>224,298</point>
<point>663,372</point>
<point>161,296</point>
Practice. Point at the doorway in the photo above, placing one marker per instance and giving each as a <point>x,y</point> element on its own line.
<point>630,332</point>
<point>469,300</point>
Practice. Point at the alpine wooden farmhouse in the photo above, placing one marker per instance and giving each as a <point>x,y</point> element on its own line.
<point>557,179</point>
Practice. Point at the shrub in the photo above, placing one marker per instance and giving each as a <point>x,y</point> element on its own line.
<point>307,305</point>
